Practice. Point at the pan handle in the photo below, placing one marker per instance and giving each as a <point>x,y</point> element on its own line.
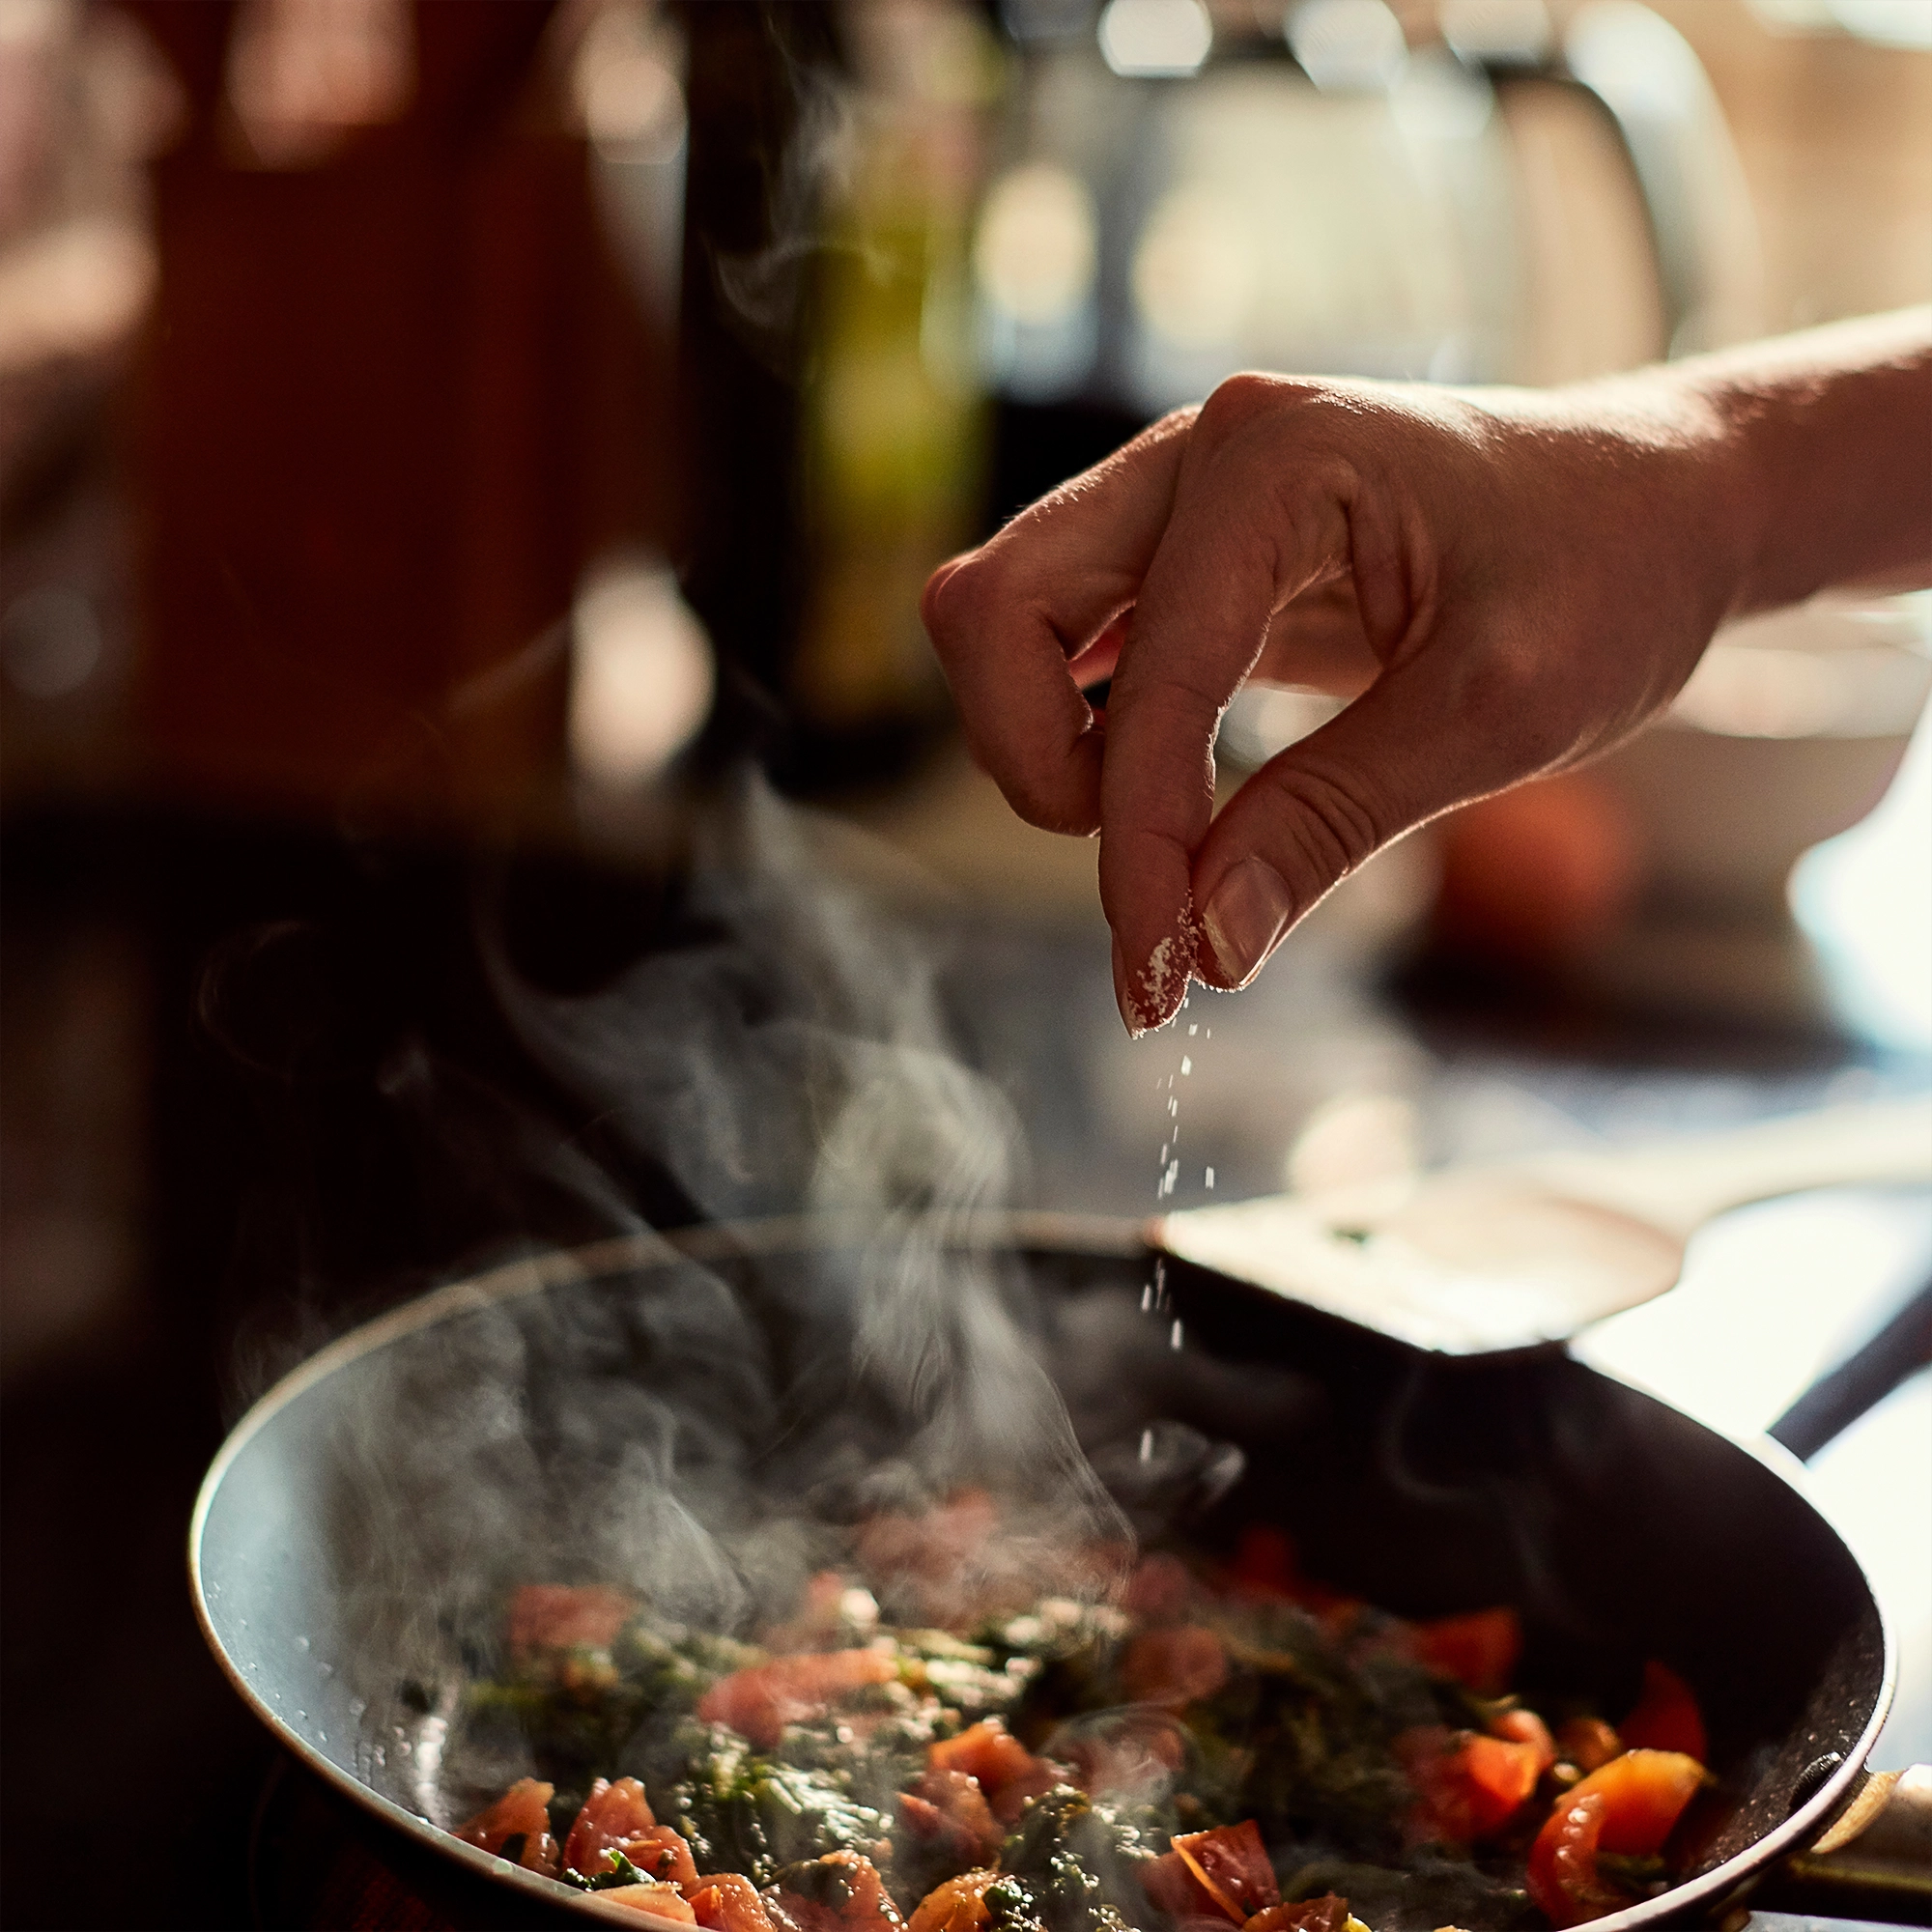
<point>1873,1862</point>
<point>1835,1401</point>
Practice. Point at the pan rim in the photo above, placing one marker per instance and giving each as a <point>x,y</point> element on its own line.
<point>1100,1235</point>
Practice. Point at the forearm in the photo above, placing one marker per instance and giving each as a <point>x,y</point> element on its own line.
<point>1826,456</point>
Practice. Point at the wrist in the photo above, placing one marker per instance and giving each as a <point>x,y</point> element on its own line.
<point>1819,456</point>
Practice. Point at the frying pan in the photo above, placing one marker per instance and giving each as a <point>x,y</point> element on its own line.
<point>360,1524</point>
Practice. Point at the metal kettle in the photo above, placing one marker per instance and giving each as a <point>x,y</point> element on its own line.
<point>1458,194</point>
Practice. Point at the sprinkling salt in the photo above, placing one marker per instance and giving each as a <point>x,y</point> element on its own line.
<point>1174,1338</point>
<point>1186,1067</point>
<point>1193,1027</point>
<point>1146,1297</point>
<point>1147,1445</point>
<point>1211,1177</point>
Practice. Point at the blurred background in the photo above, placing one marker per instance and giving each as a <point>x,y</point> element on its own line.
<point>442,440</point>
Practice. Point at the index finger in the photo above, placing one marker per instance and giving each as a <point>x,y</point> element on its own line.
<point>1249,530</point>
<point>1007,620</point>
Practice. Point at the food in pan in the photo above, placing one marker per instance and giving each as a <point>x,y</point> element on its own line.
<point>1225,1745</point>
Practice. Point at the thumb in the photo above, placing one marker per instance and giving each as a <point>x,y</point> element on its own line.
<point>1415,744</point>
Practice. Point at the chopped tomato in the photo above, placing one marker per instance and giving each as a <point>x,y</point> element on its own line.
<point>841,1892</point>
<point>1231,1865</point>
<point>1563,1878</point>
<point>1522,1726</point>
<point>962,1817</point>
<point>1666,1716</point>
<point>1326,1913</point>
<point>1627,1807</point>
<point>1161,1588</point>
<point>1133,1759</point>
<point>1172,1884</point>
<point>1266,1564</point>
<point>517,1827</point>
<point>1587,1743</point>
<point>665,1900</point>
<point>986,1751</point>
<point>1008,1773</point>
<point>959,1905</point>
<point>564,1616</point>
<point>611,1816</point>
<point>730,1902</point>
<point>758,1703</point>
<point>1173,1666</point>
<point>1466,1786</point>
<point>1479,1650</point>
<point>921,1816</point>
<point>930,1556</point>
<point>659,1854</point>
<point>1646,1791</point>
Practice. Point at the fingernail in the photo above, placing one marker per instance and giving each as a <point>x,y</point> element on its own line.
<point>1151,997</point>
<point>1248,912</point>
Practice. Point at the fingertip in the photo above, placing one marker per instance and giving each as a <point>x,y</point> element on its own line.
<point>1151,994</point>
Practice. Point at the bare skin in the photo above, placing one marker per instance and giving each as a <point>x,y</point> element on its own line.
<point>1507,582</point>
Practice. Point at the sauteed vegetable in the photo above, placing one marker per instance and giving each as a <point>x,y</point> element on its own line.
<point>1235,1747</point>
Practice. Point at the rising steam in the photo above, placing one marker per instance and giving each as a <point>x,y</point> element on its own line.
<point>708,1434</point>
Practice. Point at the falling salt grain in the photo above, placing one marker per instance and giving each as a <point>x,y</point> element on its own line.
<point>1147,1445</point>
<point>1146,1297</point>
<point>1210,1178</point>
<point>1174,1338</point>
<point>1186,1067</point>
<point>1193,1028</point>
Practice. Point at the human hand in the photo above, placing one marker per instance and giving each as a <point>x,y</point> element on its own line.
<point>1504,585</point>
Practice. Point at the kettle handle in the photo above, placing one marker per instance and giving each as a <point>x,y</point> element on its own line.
<point>1652,86</point>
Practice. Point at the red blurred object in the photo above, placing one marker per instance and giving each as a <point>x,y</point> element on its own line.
<point>758,1703</point>
<point>1479,1650</point>
<point>1468,1787</point>
<point>1176,1664</point>
<point>1525,1727</point>
<point>566,1616</point>
<point>389,405</point>
<point>1588,1743</point>
<point>1536,875</point>
<point>1666,1716</point>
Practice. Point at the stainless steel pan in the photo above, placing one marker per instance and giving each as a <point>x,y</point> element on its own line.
<point>367,1512</point>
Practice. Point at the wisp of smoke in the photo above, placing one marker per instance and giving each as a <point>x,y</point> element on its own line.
<point>707,1436</point>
